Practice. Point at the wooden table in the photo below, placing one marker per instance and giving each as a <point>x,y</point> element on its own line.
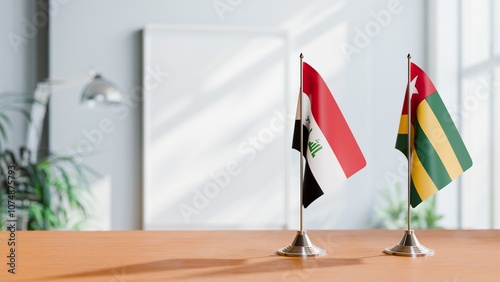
<point>461,255</point>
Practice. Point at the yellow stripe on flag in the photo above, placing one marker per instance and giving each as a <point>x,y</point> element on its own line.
<point>435,134</point>
<point>403,125</point>
<point>403,128</point>
<point>421,180</point>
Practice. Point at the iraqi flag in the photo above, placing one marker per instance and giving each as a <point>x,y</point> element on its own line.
<point>331,151</point>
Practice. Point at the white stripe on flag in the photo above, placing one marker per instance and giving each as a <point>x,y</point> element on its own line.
<point>324,165</point>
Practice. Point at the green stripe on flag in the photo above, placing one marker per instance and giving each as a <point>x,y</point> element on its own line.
<point>414,196</point>
<point>402,143</point>
<point>430,159</point>
<point>450,130</point>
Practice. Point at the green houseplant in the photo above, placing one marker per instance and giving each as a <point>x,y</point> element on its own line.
<point>393,212</point>
<point>47,191</point>
<point>50,193</point>
<point>11,102</point>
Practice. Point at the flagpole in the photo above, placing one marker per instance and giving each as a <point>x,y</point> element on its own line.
<point>301,245</point>
<point>409,139</point>
<point>409,245</point>
<point>301,207</point>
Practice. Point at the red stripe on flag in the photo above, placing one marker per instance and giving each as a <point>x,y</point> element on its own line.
<point>424,86</point>
<point>332,123</point>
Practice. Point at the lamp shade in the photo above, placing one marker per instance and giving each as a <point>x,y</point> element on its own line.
<point>101,90</point>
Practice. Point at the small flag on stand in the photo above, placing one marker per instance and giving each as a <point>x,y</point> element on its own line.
<point>330,149</point>
<point>438,153</point>
<point>435,151</point>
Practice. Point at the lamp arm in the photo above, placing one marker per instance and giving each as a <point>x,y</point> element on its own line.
<point>72,81</point>
<point>98,87</point>
<point>38,110</point>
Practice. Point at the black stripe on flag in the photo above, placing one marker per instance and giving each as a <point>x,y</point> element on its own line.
<point>312,191</point>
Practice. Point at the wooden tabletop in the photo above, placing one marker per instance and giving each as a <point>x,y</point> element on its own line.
<point>461,255</point>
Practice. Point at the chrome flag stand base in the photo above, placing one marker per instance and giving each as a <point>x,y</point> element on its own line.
<point>409,247</point>
<point>301,247</point>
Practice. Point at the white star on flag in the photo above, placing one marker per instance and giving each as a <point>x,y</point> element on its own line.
<point>413,88</point>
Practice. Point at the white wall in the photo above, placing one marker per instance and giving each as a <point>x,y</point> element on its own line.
<point>443,66</point>
<point>466,82</point>
<point>17,57</point>
<point>368,85</point>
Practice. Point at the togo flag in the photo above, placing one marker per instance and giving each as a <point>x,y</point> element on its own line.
<point>330,150</point>
<point>438,154</point>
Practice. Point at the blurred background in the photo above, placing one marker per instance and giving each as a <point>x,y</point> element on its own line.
<point>202,136</point>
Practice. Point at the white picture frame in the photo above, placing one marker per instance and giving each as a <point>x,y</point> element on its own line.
<point>216,133</point>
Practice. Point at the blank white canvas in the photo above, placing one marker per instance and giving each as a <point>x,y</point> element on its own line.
<point>215,132</point>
